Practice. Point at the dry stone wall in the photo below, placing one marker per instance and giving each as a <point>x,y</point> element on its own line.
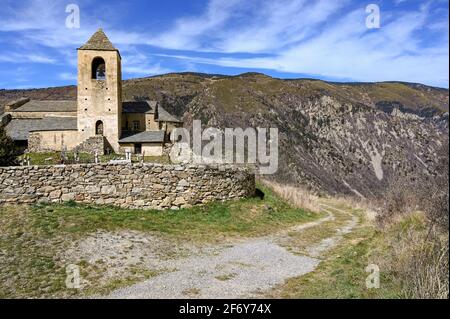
<point>94,144</point>
<point>34,142</point>
<point>146,186</point>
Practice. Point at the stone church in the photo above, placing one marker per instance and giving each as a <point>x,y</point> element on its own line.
<point>98,121</point>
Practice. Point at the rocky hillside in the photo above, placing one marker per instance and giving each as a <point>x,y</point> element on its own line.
<point>341,138</point>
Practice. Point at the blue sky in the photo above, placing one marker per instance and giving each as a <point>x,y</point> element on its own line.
<point>324,39</point>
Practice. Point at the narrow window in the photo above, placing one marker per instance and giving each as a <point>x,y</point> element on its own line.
<point>99,128</point>
<point>136,126</point>
<point>98,69</point>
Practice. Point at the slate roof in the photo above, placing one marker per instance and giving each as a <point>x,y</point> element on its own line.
<point>99,41</point>
<point>143,137</point>
<point>48,106</point>
<point>164,116</point>
<point>148,107</point>
<point>71,106</point>
<point>18,129</point>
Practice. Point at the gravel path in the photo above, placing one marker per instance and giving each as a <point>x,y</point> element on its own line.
<point>245,270</point>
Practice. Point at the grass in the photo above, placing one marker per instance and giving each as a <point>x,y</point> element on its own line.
<point>51,158</point>
<point>33,238</point>
<point>246,217</point>
<point>342,275</point>
<point>299,241</point>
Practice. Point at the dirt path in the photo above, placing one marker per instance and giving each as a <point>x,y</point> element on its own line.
<point>244,269</point>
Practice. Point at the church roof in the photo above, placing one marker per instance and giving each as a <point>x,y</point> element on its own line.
<point>143,137</point>
<point>18,129</point>
<point>48,106</point>
<point>99,41</point>
<point>148,107</point>
<point>164,116</point>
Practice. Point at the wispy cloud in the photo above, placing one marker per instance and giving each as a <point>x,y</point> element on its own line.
<point>26,58</point>
<point>322,38</point>
<point>66,76</point>
<point>137,63</point>
<point>340,48</point>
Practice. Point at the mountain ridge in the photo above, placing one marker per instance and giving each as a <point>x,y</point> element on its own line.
<point>336,138</point>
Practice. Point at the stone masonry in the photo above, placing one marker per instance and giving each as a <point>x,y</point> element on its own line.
<point>34,142</point>
<point>95,144</point>
<point>144,186</point>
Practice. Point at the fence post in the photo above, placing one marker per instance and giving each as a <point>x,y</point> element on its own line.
<point>96,157</point>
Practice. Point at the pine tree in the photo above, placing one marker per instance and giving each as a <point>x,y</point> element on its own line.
<point>8,151</point>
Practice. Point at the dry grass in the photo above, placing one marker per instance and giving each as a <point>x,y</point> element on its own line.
<point>416,255</point>
<point>362,205</point>
<point>296,196</point>
<point>415,219</point>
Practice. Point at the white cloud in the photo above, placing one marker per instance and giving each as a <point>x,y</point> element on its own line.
<point>295,36</point>
<point>189,32</point>
<point>345,48</point>
<point>229,26</point>
<point>26,58</point>
<point>68,76</point>
<point>137,63</point>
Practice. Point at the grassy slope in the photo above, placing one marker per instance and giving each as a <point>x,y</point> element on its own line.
<point>32,238</point>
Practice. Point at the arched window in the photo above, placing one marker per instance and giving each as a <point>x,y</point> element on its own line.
<point>99,128</point>
<point>98,69</point>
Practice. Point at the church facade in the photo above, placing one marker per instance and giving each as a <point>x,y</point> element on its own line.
<point>98,121</point>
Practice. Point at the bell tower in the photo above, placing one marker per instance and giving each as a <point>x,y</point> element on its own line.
<point>99,100</point>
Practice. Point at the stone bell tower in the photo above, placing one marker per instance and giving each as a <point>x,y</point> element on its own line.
<point>99,105</point>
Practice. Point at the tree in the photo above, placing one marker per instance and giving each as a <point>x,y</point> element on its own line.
<point>8,151</point>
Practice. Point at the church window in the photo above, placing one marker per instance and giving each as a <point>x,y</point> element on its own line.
<point>99,128</point>
<point>98,69</point>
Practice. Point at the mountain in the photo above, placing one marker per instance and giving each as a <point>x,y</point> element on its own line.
<point>350,138</point>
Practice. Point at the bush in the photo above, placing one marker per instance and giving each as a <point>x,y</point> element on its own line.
<point>8,151</point>
<point>419,251</point>
<point>416,257</point>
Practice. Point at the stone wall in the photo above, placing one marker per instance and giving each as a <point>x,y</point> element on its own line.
<point>146,186</point>
<point>95,144</point>
<point>51,141</point>
<point>34,142</point>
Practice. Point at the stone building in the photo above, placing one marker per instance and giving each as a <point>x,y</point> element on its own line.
<point>98,120</point>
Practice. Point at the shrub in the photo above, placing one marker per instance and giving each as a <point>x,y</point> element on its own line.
<point>416,256</point>
<point>8,151</point>
<point>419,251</point>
